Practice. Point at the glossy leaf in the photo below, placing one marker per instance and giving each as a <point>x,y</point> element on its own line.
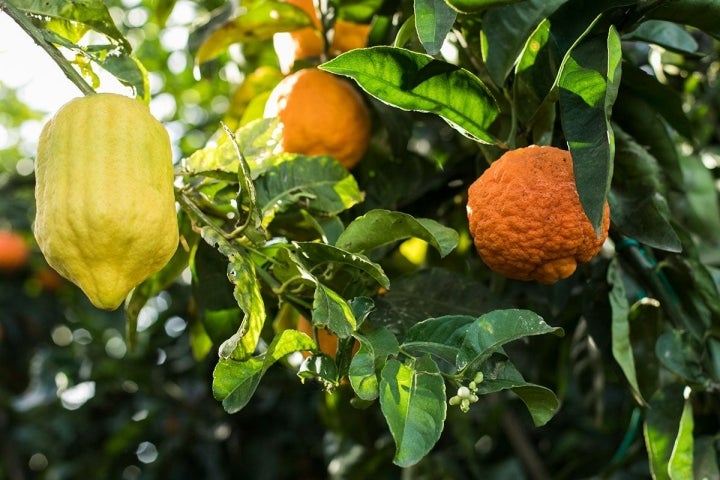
<point>412,399</point>
<point>433,21</point>
<point>588,86</point>
<point>417,82</point>
<point>332,311</point>
<point>235,382</point>
<point>382,227</point>
<point>316,256</point>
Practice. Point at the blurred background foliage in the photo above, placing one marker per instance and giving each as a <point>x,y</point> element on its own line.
<point>75,402</point>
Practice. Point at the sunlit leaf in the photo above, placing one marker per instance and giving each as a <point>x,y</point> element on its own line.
<point>260,22</point>
<point>413,81</point>
<point>235,382</point>
<point>412,399</point>
<point>662,428</point>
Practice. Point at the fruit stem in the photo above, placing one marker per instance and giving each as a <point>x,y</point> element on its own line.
<point>37,35</point>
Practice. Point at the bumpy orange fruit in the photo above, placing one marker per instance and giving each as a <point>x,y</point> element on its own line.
<point>526,218</point>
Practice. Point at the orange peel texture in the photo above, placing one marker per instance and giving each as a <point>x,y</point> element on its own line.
<point>526,218</point>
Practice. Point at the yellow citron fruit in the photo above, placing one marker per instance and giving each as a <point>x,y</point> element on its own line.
<point>526,218</point>
<point>321,114</point>
<point>106,217</point>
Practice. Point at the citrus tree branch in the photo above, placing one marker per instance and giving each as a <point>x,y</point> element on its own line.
<point>36,34</point>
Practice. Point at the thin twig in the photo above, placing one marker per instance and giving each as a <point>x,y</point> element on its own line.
<point>36,34</point>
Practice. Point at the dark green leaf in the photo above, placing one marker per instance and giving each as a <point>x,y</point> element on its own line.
<point>441,337</point>
<point>412,399</point>
<point>382,227</point>
<point>638,204</point>
<point>315,255</point>
<point>702,14</point>
<point>332,311</point>
<point>433,21</point>
<point>417,82</point>
<point>499,375</point>
<point>506,31</point>
<point>668,35</point>
<point>588,84</point>
<point>660,97</point>
<point>488,333</point>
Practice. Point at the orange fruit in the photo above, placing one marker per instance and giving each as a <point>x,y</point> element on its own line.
<point>349,36</point>
<point>321,114</point>
<point>14,251</point>
<point>327,340</point>
<point>526,218</point>
<point>303,43</point>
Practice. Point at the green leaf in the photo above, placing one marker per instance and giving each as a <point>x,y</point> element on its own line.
<point>662,430</point>
<point>668,35</point>
<point>247,293</point>
<point>639,207</point>
<point>474,6</point>
<point>235,382</point>
<point>702,14</point>
<point>679,354</point>
<point>412,399</point>
<point>588,85</point>
<point>359,11</point>
<point>705,458</point>
<point>500,374</point>
<point>681,458</point>
<point>332,311</point>
<point>317,255</point>
<point>319,184</point>
<point>491,331</point>
<point>382,227</point>
<point>661,98</point>
<point>433,21</point>
<point>417,82</point>
<point>375,347</point>
<point>441,337</point>
<point>259,22</point>
<point>506,32</point>
<point>699,207</point>
<point>534,78</point>
<point>93,13</point>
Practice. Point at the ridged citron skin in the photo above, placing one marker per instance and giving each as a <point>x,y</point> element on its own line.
<point>106,217</point>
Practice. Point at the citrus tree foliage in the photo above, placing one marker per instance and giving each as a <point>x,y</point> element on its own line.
<point>459,370</point>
